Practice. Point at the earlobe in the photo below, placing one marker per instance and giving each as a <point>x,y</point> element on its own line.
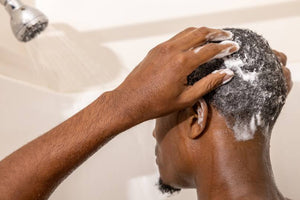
<point>198,124</point>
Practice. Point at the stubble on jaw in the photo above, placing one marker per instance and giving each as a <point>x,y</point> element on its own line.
<point>166,189</point>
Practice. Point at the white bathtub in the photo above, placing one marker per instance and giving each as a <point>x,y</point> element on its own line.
<point>29,107</point>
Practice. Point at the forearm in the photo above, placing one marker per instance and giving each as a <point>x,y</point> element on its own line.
<point>35,170</point>
<point>157,86</point>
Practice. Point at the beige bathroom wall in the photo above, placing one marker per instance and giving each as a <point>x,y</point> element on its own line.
<point>72,55</point>
<point>117,35</point>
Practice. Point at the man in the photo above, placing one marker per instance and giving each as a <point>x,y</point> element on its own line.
<point>220,146</point>
<point>156,87</point>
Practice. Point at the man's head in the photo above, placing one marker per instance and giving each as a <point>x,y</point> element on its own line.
<point>249,104</point>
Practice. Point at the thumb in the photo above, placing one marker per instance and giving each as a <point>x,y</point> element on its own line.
<point>207,84</point>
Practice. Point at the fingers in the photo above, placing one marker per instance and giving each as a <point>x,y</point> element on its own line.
<point>194,37</point>
<point>288,77</point>
<point>287,73</point>
<point>206,85</point>
<point>208,52</point>
<point>182,33</point>
<point>281,57</point>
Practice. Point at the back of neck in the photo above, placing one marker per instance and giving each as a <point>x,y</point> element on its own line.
<point>236,170</point>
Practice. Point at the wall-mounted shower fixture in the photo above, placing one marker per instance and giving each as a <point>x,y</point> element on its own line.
<point>26,22</point>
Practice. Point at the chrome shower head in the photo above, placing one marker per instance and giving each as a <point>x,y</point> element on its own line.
<point>26,22</point>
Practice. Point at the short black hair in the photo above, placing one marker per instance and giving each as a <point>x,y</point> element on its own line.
<point>253,99</point>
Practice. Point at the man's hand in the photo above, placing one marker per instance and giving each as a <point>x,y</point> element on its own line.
<point>155,87</point>
<point>287,73</point>
<point>158,85</point>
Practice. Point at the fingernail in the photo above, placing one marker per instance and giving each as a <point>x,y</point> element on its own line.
<point>219,36</point>
<point>229,75</point>
<point>232,47</point>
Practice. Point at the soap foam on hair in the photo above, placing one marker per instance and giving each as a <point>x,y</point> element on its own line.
<point>243,130</point>
<point>237,64</point>
<point>253,99</point>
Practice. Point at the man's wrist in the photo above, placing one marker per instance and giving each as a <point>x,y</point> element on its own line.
<point>122,108</point>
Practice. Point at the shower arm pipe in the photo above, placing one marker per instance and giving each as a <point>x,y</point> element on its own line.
<point>11,5</point>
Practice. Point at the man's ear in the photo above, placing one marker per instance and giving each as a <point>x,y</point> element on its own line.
<point>198,120</point>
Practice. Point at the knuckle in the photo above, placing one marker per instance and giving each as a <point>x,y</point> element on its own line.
<point>214,47</point>
<point>164,48</point>
<point>152,50</point>
<point>189,29</point>
<point>212,84</point>
<point>209,86</point>
<point>204,30</point>
<point>181,59</point>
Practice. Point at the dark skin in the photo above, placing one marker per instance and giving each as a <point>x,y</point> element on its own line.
<point>156,87</point>
<point>206,156</point>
